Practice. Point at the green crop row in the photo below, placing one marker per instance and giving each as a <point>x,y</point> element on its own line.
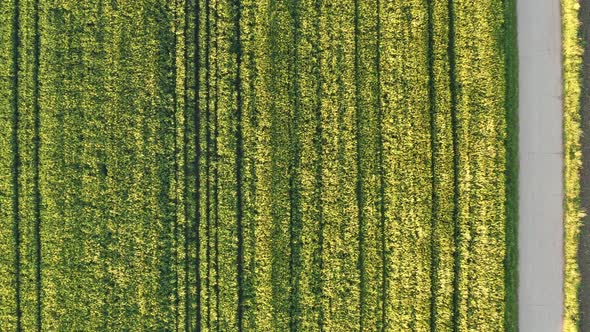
<point>223,165</point>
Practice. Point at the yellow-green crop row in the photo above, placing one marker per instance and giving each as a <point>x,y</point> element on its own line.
<point>572,86</point>
<point>481,162</point>
<point>7,239</point>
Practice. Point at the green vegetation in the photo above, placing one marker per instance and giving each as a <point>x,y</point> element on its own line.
<point>223,165</point>
<point>511,141</point>
<point>572,76</point>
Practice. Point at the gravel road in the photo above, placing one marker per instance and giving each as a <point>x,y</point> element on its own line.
<point>541,163</point>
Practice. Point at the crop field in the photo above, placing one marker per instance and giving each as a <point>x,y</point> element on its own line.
<point>247,165</point>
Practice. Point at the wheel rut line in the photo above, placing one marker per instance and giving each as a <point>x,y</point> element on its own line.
<point>16,42</point>
<point>434,255</point>
<point>381,170</point>
<point>280,308</point>
<point>454,124</point>
<point>197,183</point>
<point>239,160</point>
<point>251,294</point>
<point>340,157</point>
<point>319,168</point>
<point>187,297</point>
<point>294,177</point>
<point>208,157</point>
<point>105,238</point>
<point>36,163</point>
<point>470,229</point>
<point>216,171</point>
<point>407,106</point>
<point>176,166</point>
<point>359,175</point>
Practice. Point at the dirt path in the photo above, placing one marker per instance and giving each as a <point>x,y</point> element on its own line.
<point>541,163</point>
